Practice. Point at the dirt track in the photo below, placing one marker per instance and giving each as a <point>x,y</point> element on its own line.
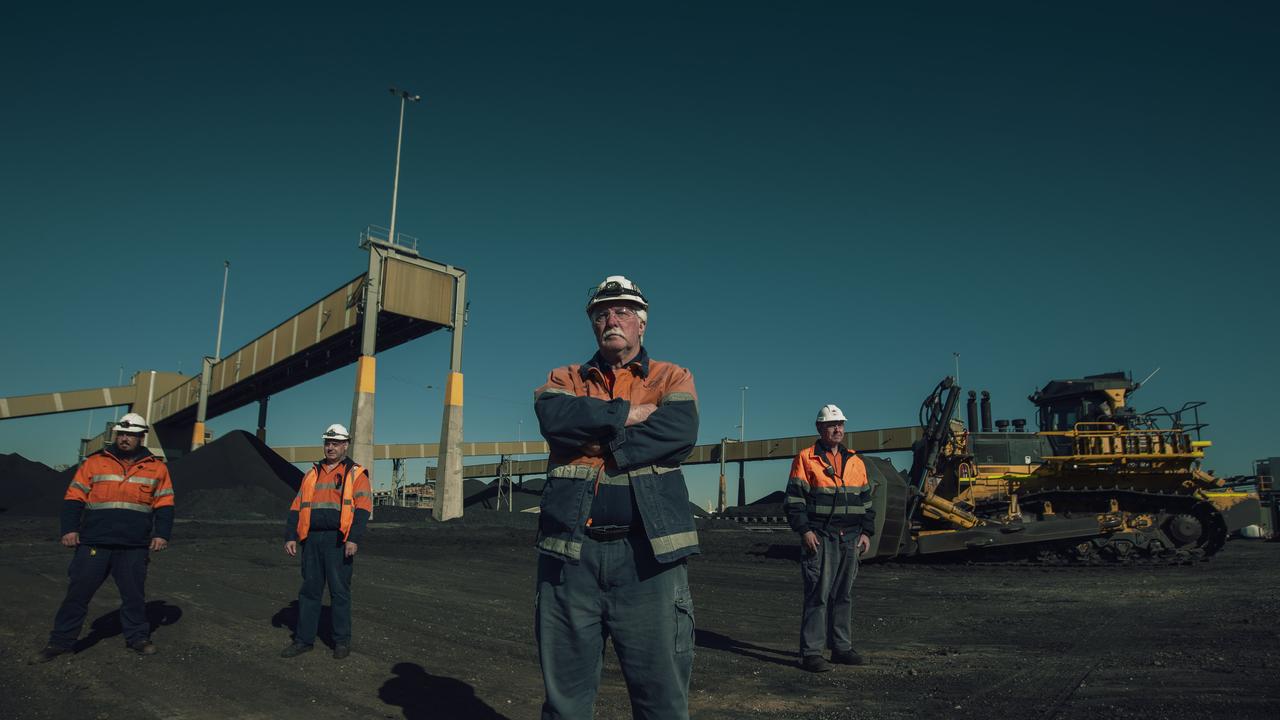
<point>443,630</point>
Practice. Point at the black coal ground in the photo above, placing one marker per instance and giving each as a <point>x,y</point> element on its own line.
<point>443,630</point>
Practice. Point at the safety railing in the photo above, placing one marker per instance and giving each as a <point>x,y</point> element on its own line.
<point>377,233</point>
<point>1107,439</point>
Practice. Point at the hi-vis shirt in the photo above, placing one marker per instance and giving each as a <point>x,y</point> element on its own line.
<point>829,489</point>
<point>117,502</point>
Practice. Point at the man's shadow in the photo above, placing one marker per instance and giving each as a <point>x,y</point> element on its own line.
<point>422,695</point>
<point>287,617</point>
<point>158,613</point>
<point>715,641</point>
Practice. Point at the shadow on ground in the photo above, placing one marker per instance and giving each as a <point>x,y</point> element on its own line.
<point>715,641</point>
<point>422,695</point>
<point>159,613</point>
<point>287,617</point>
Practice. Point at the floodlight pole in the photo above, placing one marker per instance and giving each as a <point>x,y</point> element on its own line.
<point>405,96</point>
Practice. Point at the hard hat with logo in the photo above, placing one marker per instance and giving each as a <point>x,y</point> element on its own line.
<point>131,423</point>
<point>830,413</point>
<point>336,432</point>
<point>617,287</point>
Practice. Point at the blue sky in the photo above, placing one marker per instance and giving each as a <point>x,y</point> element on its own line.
<point>823,201</point>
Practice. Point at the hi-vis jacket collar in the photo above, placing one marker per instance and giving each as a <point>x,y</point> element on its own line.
<point>639,364</point>
<point>845,453</point>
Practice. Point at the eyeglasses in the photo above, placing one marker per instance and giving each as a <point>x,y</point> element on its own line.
<point>622,313</point>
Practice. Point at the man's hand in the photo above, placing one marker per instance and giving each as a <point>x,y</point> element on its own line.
<point>158,544</point>
<point>639,413</point>
<point>864,544</point>
<point>350,549</point>
<point>291,548</point>
<point>810,542</point>
<point>592,448</point>
<point>71,539</point>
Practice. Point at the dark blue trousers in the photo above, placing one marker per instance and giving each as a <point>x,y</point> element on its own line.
<point>618,590</point>
<point>825,621</point>
<point>89,569</point>
<point>324,562</point>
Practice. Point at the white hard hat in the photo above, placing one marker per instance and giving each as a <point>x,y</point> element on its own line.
<point>131,423</point>
<point>617,287</point>
<point>830,413</point>
<point>336,432</point>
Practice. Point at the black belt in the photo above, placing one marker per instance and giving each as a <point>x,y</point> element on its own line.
<point>612,532</point>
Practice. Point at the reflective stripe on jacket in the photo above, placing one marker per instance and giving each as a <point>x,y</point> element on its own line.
<point>576,407</point>
<point>344,490</point>
<point>111,501</point>
<point>829,490</point>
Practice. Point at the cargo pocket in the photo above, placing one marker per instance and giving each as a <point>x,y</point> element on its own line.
<point>811,563</point>
<point>684,621</point>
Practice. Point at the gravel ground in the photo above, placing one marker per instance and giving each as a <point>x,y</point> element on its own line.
<point>443,630</point>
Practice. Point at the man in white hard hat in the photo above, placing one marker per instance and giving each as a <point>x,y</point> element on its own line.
<point>829,505</point>
<point>117,510</point>
<point>616,524</point>
<point>328,518</point>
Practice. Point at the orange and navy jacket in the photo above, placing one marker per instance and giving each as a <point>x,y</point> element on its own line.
<point>119,502</point>
<point>582,404</point>
<point>339,498</point>
<point>828,490</point>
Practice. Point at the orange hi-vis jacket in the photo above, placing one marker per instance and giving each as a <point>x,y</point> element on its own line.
<point>829,490</point>
<point>579,406</point>
<point>111,501</point>
<point>340,498</point>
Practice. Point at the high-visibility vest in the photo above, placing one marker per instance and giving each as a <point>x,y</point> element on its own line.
<point>347,510</point>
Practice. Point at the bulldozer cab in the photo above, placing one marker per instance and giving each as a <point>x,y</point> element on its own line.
<point>1061,404</point>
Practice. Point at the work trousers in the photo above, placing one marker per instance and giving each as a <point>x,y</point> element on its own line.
<point>324,562</point>
<point>617,590</point>
<point>88,570</point>
<point>828,593</point>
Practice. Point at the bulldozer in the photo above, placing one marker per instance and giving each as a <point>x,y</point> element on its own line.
<point>1094,482</point>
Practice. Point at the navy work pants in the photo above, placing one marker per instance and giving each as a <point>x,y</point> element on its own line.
<point>617,590</point>
<point>324,562</point>
<point>828,593</point>
<point>88,570</point>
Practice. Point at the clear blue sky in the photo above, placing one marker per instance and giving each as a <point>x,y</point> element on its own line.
<point>823,202</point>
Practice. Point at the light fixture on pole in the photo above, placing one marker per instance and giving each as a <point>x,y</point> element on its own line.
<point>405,96</point>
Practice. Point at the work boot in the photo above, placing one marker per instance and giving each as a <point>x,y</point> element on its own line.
<point>846,657</point>
<point>815,664</point>
<point>294,650</point>
<point>143,647</point>
<point>340,652</point>
<point>47,653</point>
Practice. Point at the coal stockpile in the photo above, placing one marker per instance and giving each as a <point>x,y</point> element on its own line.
<point>768,506</point>
<point>31,488</point>
<point>524,496</point>
<point>235,477</point>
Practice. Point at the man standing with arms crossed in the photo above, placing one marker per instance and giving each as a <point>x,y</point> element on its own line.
<point>829,504</point>
<point>328,517</point>
<point>117,510</point>
<point>615,524</point>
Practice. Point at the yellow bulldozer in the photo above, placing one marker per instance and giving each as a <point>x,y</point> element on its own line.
<point>1094,482</point>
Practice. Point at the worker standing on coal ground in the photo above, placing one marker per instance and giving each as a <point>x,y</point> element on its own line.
<point>328,517</point>
<point>616,524</point>
<point>829,504</point>
<point>117,511</point>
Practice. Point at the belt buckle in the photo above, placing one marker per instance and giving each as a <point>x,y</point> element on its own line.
<point>612,533</point>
